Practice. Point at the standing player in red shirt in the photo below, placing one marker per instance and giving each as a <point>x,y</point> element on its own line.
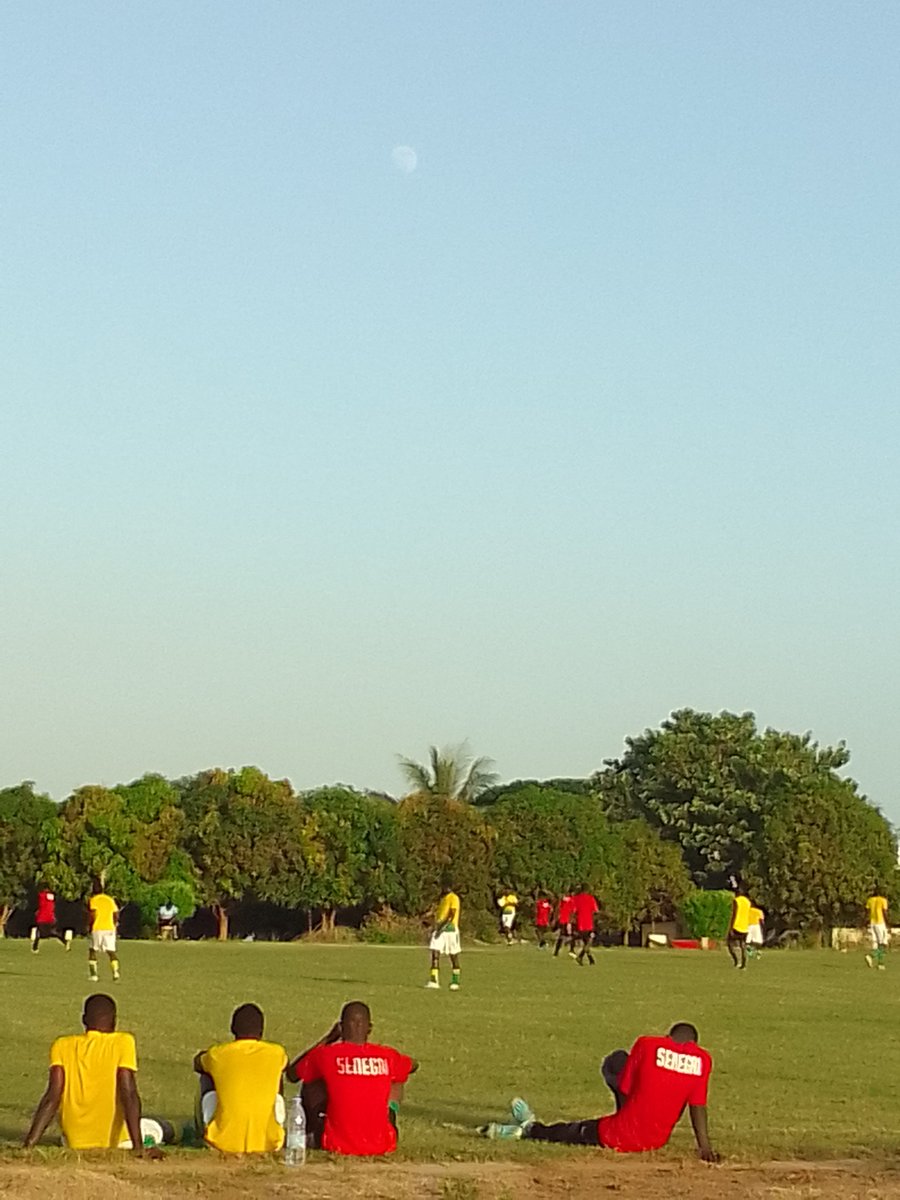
<point>543,910</point>
<point>652,1085</point>
<point>584,910</point>
<point>45,921</point>
<point>352,1087</point>
<point>564,924</point>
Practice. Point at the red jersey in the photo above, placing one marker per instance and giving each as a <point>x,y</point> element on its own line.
<point>358,1078</point>
<point>659,1079</point>
<point>542,911</point>
<point>585,907</point>
<point>564,913</point>
<point>46,909</point>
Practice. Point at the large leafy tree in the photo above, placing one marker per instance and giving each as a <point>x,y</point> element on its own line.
<point>709,783</point>
<point>357,835</point>
<point>441,840</point>
<point>26,820</point>
<point>821,853</point>
<point>451,773</point>
<point>93,838</point>
<point>248,838</point>
<point>163,868</point>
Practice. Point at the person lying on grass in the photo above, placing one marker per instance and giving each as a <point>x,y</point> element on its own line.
<point>652,1085</point>
<point>241,1107</point>
<point>352,1087</point>
<point>92,1086</point>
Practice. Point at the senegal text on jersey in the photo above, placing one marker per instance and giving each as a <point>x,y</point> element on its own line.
<point>684,1064</point>
<point>362,1066</point>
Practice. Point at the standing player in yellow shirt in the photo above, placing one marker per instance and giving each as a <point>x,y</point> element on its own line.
<point>876,910</point>
<point>103,918</point>
<point>508,903</point>
<point>445,938</point>
<point>93,1088</point>
<point>740,923</point>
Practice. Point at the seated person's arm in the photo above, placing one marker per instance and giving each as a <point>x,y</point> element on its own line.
<point>333,1035</point>
<point>47,1106</point>
<point>126,1087</point>
<point>701,1133</point>
<point>198,1063</point>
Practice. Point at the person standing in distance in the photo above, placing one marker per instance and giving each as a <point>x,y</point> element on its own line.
<point>543,911</point>
<point>45,920</point>
<point>740,923</point>
<point>103,922</point>
<point>445,938</point>
<point>584,911</point>
<point>876,909</point>
<point>508,903</point>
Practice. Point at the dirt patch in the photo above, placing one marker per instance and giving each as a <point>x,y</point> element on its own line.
<point>569,1178</point>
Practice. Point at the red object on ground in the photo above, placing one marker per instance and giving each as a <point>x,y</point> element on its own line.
<point>691,944</point>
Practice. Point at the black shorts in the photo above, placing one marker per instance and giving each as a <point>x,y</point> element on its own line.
<point>46,929</point>
<point>737,936</point>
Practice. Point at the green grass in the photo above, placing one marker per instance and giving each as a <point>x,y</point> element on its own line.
<point>801,1041</point>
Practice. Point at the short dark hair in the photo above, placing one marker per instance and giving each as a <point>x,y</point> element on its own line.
<point>99,1009</point>
<point>683,1031</point>
<point>247,1021</point>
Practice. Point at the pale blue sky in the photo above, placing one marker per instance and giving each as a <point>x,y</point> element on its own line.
<point>308,461</point>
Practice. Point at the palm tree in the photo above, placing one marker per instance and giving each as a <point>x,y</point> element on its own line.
<point>450,774</point>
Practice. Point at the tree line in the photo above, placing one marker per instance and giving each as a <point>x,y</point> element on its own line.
<point>686,806</point>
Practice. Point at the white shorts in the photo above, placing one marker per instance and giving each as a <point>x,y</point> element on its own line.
<point>103,941</point>
<point>754,935</point>
<point>507,920</point>
<point>445,943</point>
<point>878,935</point>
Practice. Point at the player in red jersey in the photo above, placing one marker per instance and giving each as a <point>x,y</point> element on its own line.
<point>564,925</point>
<point>584,912</point>
<point>543,910</point>
<point>352,1087</point>
<point>45,921</point>
<point>652,1085</point>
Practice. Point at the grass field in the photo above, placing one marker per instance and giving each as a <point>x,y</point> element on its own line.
<point>803,1045</point>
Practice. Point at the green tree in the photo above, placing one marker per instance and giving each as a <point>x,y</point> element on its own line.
<point>821,853</point>
<point>649,879</point>
<point>438,840</point>
<point>450,774</point>
<point>248,838</point>
<point>709,782</point>
<point>26,819</point>
<point>162,866</point>
<point>357,834</point>
<point>550,839</point>
<point>93,838</point>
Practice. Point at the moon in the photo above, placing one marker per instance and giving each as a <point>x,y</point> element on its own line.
<point>404,159</point>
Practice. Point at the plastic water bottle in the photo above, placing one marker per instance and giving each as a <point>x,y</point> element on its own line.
<point>295,1134</point>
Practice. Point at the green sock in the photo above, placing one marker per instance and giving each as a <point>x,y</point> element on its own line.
<point>454,978</point>
<point>879,954</point>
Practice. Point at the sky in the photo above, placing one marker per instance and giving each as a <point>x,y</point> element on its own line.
<point>375,376</point>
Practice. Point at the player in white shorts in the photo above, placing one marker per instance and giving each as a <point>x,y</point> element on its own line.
<point>755,931</point>
<point>445,939</point>
<point>508,903</point>
<point>876,910</point>
<point>103,914</point>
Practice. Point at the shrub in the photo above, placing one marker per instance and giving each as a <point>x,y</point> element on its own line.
<point>387,928</point>
<point>707,914</point>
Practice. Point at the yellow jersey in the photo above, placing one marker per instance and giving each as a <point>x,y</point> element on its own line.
<point>103,910</point>
<point>741,921</point>
<point>876,906</point>
<point>508,903</point>
<point>247,1076</point>
<point>90,1115</point>
<point>756,915</point>
<point>448,912</point>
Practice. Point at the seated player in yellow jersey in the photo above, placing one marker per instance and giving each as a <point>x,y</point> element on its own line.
<point>103,921</point>
<point>445,938</point>
<point>241,1103</point>
<point>92,1087</point>
<point>876,910</point>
